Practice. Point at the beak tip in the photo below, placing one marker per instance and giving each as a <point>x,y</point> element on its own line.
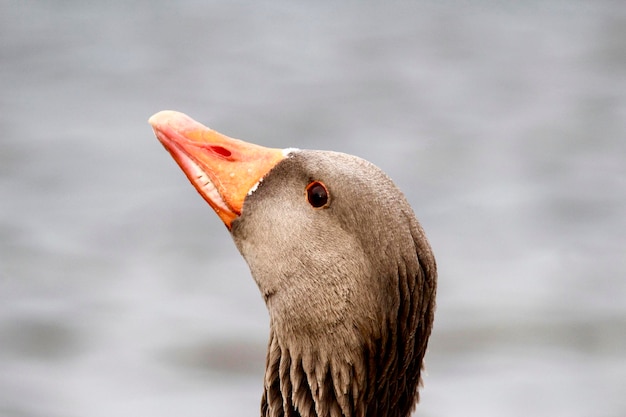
<point>164,116</point>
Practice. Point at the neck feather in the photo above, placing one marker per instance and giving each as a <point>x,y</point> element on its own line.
<point>378,377</point>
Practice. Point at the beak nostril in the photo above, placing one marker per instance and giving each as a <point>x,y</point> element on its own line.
<point>217,150</point>
<point>220,150</point>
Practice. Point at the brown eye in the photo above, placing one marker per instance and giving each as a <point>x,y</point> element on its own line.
<point>317,194</point>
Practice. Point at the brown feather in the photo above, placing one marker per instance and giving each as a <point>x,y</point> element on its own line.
<point>350,289</point>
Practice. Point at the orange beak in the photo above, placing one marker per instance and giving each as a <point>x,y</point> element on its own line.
<point>223,170</point>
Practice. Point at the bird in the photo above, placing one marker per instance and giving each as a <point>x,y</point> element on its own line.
<point>344,267</point>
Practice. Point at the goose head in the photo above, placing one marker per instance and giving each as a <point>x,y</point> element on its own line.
<point>343,266</point>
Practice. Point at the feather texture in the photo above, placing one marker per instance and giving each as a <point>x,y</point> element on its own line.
<point>350,289</point>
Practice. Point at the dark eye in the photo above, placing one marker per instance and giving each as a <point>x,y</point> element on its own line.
<point>317,194</point>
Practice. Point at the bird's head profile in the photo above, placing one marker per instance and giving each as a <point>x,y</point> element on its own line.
<point>343,265</point>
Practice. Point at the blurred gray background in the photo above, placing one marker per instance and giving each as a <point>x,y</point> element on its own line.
<point>121,293</point>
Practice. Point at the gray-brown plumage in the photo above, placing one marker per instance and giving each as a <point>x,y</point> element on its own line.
<point>349,286</point>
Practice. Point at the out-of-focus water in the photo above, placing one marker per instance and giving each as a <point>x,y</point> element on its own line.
<point>121,293</point>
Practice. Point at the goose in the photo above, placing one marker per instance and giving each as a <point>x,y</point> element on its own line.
<point>345,269</point>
